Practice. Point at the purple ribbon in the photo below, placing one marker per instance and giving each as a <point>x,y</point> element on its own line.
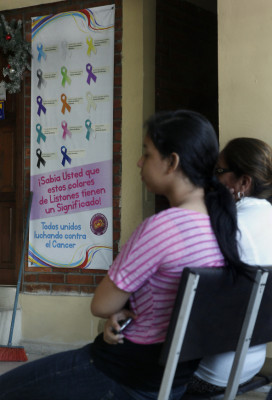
<point>41,106</point>
<point>91,75</point>
<point>65,130</point>
<point>40,159</point>
<point>65,155</point>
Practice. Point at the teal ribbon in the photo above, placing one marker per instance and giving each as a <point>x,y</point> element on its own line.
<point>88,125</point>
<point>41,135</point>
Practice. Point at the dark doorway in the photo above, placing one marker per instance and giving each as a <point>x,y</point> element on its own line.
<point>186,60</point>
<point>11,185</point>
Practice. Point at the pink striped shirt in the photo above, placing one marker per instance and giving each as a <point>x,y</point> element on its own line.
<point>150,265</point>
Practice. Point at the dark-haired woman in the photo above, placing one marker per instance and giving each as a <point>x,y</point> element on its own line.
<point>199,229</point>
<point>245,167</point>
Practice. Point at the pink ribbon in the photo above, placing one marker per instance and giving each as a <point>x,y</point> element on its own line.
<point>65,130</point>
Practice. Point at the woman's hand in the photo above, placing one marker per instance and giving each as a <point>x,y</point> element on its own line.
<point>112,325</point>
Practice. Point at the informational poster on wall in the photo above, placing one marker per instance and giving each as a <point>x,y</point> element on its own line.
<point>71,139</point>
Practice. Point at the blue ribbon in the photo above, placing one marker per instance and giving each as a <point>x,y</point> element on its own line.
<point>65,155</point>
<point>41,52</point>
<point>40,159</point>
<point>88,125</point>
<point>40,133</point>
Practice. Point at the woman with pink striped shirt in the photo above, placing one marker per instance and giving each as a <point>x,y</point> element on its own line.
<point>198,230</point>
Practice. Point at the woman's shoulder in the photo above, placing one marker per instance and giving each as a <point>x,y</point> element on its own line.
<point>169,219</point>
<point>253,213</point>
<point>252,204</point>
<point>179,211</point>
<point>175,216</point>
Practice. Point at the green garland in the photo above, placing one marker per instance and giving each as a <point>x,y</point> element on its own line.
<point>18,53</point>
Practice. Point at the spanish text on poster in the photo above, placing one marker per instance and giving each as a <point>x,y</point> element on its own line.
<point>71,139</point>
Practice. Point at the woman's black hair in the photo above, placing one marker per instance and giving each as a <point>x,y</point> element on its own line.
<point>252,157</point>
<point>192,137</point>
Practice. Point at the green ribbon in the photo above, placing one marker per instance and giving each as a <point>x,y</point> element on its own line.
<point>65,77</point>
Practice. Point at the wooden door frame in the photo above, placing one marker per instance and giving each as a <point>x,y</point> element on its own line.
<point>10,276</point>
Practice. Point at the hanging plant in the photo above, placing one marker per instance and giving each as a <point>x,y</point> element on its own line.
<point>18,53</point>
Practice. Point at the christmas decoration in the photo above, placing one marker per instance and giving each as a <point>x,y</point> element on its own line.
<point>18,53</point>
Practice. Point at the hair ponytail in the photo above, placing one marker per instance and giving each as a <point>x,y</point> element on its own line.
<point>223,216</point>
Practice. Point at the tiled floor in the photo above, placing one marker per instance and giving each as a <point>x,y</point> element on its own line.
<point>6,366</point>
<point>259,394</point>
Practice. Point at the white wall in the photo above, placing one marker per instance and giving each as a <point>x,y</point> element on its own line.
<point>59,320</point>
<point>138,102</point>
<point>245,69</point>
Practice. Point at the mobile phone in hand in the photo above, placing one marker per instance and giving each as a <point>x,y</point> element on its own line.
<point>123,324</point>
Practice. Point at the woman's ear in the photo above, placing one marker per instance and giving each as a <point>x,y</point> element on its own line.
<point>173,162</point>
<point>245,184</point>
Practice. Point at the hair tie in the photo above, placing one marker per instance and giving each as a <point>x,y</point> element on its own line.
<point>212,181</point>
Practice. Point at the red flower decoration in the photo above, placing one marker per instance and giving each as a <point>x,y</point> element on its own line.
<point>8,36</point>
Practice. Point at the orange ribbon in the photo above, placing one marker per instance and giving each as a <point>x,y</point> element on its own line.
<point>65,104</point>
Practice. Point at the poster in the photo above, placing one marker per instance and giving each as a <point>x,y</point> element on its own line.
<point>71,139</point>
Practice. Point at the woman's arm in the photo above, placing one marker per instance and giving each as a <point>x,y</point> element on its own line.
<point>108,299</point>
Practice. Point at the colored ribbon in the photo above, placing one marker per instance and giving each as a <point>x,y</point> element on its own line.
<point>64,49</point>
<point>2,112</point>
<point>91,102</point>
<point>65,104</point>
<point>41,52</point>
<point>65,130</point>
<point>41,106</point>
<point>40,159</point>
<point>88,125</point>
<point>65,77</point>
<point>41,80</point>
<point>91,47</point>
<point>91,75</point>
<point>41,135</point>
<point>65,155</point>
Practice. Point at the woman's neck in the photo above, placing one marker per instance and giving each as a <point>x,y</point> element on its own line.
<point>189,197</point>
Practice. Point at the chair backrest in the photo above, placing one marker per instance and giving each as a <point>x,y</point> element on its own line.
<point>218,313</point>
